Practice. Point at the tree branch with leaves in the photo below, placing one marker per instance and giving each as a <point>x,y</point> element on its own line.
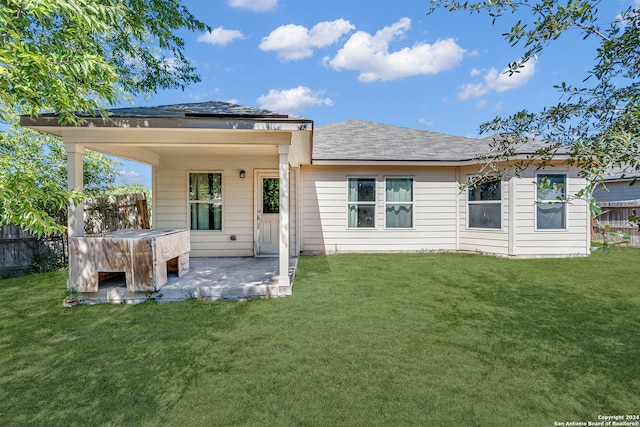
<point>69,57</point>
<point>599,121</point>
<point>80,56</point>
<point>596,123</point>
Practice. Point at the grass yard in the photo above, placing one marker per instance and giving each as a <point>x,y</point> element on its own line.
<point>365,340</point>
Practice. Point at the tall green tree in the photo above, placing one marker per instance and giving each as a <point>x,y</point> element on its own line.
<point>33,179</point>
<point>599,120</point>
<point>64,57</point>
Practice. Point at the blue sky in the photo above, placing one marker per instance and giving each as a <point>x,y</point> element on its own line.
<point>386,62</point>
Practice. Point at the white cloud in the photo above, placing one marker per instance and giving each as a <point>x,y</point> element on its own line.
<point>290,100</point>
<point>492,81</point>
<point>481,104</point>
<point>369,54</point>
<point>473,90</point>
<point>220,37</point>
<point>425,122</point>
<point>294,42</point>
<point>254,5</point>
<point>129,176</point>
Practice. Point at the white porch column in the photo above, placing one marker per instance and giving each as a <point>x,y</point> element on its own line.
<point>283,279</point>
<point>75,154</point>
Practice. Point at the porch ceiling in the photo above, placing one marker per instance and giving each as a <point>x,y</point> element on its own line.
<point>148,145</point>
<point>215,127</point>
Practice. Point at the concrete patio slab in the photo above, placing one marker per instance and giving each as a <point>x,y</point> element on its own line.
<point>233,278</point>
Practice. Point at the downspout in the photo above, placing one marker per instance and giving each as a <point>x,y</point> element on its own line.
<point>299,210</point>
<point>512,215</point>
<point>457,206</point>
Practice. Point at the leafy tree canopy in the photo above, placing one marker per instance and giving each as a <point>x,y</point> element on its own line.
<point>76,56</point>
<point>33,179</point>
<point>599,120</point>
<point>68,56</point>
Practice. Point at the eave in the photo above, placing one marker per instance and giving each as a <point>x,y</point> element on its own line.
<point>145,139</point>
<point>436,163</point>
<point>50,124</point>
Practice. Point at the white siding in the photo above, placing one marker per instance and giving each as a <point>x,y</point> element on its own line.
<point>491,241</point>
<point>318,212</point>
<point>171,209</point>
<point>324,216</point>
<point>572,241</point>
<point>440,215</point>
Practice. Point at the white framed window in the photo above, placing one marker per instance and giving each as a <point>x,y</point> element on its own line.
<point>551,201</point>
<point>205,200</point>
<point>484,205</point>
<point>361,202</point>
<point>398,195</point>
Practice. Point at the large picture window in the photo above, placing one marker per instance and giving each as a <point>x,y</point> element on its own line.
<point>485,206</point>
<point>399,202</point>
<point>361,202</point>
<point>205,201</point>
<point>551,206</point>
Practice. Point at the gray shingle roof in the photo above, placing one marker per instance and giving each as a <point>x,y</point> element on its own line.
<point>357,140</point>
<point>622,174</point>
<point>199,109</point>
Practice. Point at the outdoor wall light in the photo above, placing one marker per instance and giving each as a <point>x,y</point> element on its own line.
<point>242,174</point>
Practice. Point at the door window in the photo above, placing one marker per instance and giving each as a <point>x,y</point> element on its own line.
<point>270,195</point>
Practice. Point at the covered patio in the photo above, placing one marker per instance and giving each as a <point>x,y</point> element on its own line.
<point>215,165</point>
<point>220,278</point>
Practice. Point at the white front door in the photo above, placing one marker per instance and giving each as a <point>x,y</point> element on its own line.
<point>268,213</point>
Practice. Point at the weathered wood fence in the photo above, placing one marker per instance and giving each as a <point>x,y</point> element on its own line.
<point>113,213</point>
<point>616,215</point>
<point>22,252</point>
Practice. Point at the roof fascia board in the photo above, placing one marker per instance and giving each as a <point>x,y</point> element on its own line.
<point>330,162</point>
<point>226,123</point>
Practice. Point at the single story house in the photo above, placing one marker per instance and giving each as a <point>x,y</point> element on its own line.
<point>619,186</point>
<point>251,182</point>
<point>619,198</point>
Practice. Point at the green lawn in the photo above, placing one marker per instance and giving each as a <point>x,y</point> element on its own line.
<point>405,339</point>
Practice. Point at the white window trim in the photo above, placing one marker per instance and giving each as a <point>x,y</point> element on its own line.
<point>565,203</point>
<point>412,202</point>
<point>374,203</point>
<point>221,202</point>
<point>485,202</point>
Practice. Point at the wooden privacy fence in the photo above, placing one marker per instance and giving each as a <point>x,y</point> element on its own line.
<point>616,215</point>
<point>104,214</point>
<point>22,252</point>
